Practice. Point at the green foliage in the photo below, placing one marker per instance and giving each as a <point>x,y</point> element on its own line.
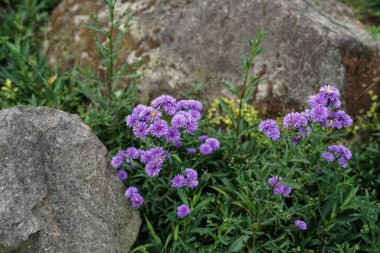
<point>367,11</point>
<point>234,208</point>
<point>110,103</point>
<point>23,64</point>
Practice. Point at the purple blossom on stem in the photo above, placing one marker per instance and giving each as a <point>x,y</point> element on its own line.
<point>178,144</point>
<point>122,175</point>
<point>159,128</point>
<point>301,225</point>
<point>132,153</point>
<point>214,143</point>
<point>172,134</point>
<point>140,129</point>
<point>203,137</point>
<point>205,149</point>
<point>178,181</point>
<point>294,120</point>
<point>191,150</point>
<point>137,200</point>
<point>316,100</point>
<point>191,178</point>
<point>270,128</point>
<point>320,114</point>
<point>341,119</point>
<point>153,169</point>
<point>183,211</point>
<point>130,191</point>
<point>328,156</point>
<point>117,161</point>
<point>331,94</point>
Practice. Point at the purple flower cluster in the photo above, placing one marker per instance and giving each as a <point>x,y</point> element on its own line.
<point>147,120</point>
<point>339,152</point>
<point>270,128</point>
<point>301,225</point>
<point>132,193</point>
<point>322,109</point>
<point>279,188</point>
<point>154,159</point>
<point>183,211</point>
<point>190,179</point>
<point>209,146</point>
<point>166,119</point>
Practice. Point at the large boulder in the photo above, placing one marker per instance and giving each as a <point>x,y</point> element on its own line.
<point>57,192</point>
<point>309,43</point>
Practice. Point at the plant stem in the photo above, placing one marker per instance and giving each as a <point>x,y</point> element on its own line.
<point>110,67</point>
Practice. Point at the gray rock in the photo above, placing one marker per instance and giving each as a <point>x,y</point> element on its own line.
<point>309,43</point>
<point>57,192</point>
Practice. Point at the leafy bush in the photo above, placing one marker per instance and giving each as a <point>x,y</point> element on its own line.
<point>288,192</point>
<point>23,64</point>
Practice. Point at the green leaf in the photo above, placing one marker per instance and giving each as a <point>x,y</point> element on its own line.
<point>239,243</point>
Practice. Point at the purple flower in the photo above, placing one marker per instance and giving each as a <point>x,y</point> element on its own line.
<point>163,100</point>
<point>191,150</point>
<point>273,180</point>
<point>172,134</point>
<point>341,119</point>
<point>141,129</point>
<point>295,140</point>
<point>278,189</point>
<point>270,128</point>
<point>137,200</point>
<point>214,143</point>
<point>191,172</point>
<point>319,170</point>
<point>316,100</point>
<point>182,105</point>
<point>130,191</point>
<point>286,191</point>
<point>159,128</point>
<point>331,94</point>
<point>183,211</point>
<point>195,114</point>
<point>132,153</point>
<point>267,124</point>
<point>203,137</point>
<point>149,114</point>
<point>117,161</point>
<point>205,149</point>
<point>191,178</point>
<point>328,156</point>
<point>194,105</point>
<point>342,162</point>
<point>301,224</point>
<point>179,120</point>
<point>178,181</point>
<point>341,151</point>
<point>191,126</point>
<point>294,120</point>
<point>319,114</point>
<point>138,109</point>
<point>122,175</point>
<point>178,144</point>
<point>273,133</point>
<point>131,120</point>
<point>153,169</point>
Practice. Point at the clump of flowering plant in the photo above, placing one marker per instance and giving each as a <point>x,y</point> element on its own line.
<point>164,127</point>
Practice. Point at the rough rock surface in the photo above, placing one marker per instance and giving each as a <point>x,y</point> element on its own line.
<point>309,43</point>
<point>57,193</point>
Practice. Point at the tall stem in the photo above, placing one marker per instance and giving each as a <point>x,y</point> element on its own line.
<point>110,66</point>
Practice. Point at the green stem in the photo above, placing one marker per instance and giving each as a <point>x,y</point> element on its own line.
<point>242,94</point>
<point>110,67</point>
